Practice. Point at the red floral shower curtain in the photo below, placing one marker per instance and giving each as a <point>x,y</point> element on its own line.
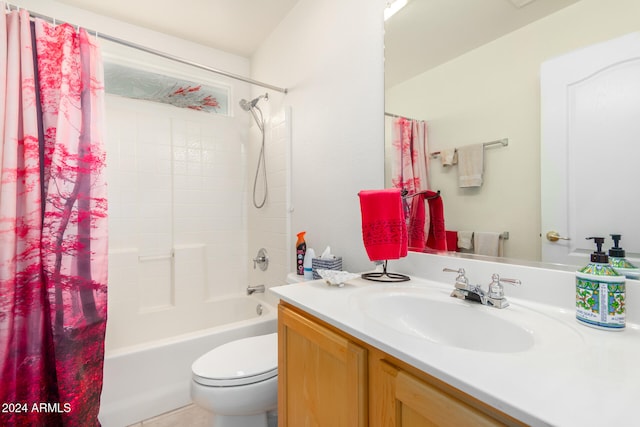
<point>410,172</point>
<point>53,233</point>
<point>410,155</point>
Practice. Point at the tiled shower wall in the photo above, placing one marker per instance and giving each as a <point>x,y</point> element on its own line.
<point>178,218</point>
<point>269,227</point>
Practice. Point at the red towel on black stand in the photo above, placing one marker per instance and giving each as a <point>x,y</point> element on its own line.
<point>416,226</point>
<point>436,238</point>
<point>384,230</point>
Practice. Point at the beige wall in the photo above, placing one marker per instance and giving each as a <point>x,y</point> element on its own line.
<point>335,79</point>
<point>494,92</point>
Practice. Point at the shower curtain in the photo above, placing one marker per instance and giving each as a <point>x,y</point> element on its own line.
<point>410,162</point>
<point>53,233</point>
<point>410,172</point>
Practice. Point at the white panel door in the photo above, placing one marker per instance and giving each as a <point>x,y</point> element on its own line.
<point>590,149</point>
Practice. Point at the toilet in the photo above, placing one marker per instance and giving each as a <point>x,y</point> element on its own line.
<point>237,382</point>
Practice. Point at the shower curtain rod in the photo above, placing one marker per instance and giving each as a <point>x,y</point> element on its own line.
<point>401,117</point>
<point>158,53</point>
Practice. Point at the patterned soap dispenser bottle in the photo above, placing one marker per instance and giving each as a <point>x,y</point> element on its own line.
<point>600,293</point>
<point>619,262</point>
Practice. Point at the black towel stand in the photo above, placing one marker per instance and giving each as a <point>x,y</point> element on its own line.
<point>385,276</point>
<point>405,194</point>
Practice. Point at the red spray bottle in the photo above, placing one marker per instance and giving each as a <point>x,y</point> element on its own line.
<point>301,249</point>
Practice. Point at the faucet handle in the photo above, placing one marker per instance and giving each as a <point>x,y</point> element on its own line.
<point>262,259</point>
<point>461,279</point>
<point>496,290</point>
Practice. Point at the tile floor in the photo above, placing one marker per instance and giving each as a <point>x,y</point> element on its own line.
<point>191,416</point>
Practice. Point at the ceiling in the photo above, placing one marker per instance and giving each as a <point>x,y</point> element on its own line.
<point>234,26</point>
<point>427,33</point>
<point>422,35</point>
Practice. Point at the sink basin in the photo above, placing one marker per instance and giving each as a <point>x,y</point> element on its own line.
<point>433,315</point>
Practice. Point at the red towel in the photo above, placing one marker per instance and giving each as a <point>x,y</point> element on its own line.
<point>452,241</point>
<point>416,226</point>
<point>384,230</point>
<point>437,238</point>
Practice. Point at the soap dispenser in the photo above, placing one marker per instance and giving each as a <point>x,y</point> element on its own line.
<point>600,293</point>
<point>619,262</point>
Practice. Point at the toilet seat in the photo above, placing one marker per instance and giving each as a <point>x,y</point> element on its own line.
<point>245,361</point>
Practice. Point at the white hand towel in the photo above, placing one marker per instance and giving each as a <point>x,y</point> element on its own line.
<point>465,239</point>
<point>470,165</point>
<point>487,243</point>
<point>448,157</point>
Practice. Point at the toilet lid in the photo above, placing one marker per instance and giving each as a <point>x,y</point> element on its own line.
<point>245,361</point>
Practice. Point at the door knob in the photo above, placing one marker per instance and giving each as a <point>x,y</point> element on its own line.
<point>553,236</point>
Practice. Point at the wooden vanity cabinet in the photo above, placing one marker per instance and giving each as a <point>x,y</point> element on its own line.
<point>322,375</point>
<point>403,399</point>
<point>329,378</point>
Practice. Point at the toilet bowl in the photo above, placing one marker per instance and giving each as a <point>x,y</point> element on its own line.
<point>238,382</point>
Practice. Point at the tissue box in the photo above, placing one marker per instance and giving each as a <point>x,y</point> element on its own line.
<point>325,264</point>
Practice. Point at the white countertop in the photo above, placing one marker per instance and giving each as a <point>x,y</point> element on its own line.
<point>591,379</point>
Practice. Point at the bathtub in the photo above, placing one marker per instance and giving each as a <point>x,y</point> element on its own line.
<point>147,380</point>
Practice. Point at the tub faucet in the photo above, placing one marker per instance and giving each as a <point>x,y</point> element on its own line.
<point>255,289</point>
<point>494,297</point>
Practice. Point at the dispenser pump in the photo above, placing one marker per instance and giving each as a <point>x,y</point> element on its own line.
<point>599,256</point>
<point>616,251</point>
<point>600,292</point>
<point>619,262</point>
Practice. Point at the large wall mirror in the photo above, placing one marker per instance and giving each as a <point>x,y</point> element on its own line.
<point>472,71</point>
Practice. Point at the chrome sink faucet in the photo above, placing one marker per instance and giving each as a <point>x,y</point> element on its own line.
<point>493,297</point>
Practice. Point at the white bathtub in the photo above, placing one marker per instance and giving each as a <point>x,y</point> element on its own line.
<point>144,381</point>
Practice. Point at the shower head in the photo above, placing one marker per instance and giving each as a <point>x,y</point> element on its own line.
<point>245,105</point>
<point>248,105</point>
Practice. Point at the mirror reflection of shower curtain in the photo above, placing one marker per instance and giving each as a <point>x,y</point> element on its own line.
<point>410,170</point>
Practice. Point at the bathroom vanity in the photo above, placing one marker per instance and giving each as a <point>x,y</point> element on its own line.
<point>328,377</point>
<point>409,354</point>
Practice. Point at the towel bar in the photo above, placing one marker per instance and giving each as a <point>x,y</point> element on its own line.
<point>504,142</point>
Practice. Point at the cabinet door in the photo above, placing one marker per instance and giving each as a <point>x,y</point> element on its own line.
<point>322,375</point>
<point>407,401</point>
